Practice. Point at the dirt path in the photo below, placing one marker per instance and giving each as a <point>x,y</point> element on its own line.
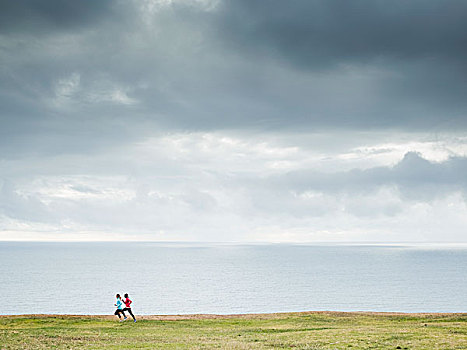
<point>241,316</point>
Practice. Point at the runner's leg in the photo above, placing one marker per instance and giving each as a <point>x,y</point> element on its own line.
<point>131,313</point>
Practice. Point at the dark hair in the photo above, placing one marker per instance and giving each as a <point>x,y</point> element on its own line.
<point>118,295</point>
<point>126,295</point>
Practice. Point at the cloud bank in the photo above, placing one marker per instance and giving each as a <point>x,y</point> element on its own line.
<point>233,120</point>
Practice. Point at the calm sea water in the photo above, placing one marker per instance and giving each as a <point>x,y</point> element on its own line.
<point>82,278</point>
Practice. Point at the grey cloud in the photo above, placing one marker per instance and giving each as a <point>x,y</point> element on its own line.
<point>43,16</point>
<point>301,66</point>
<point>188,67</point>
<point>84,85</point>
<point>234,203</point>
<point>319,34</point>
<point>28,209</point>
<point>415,177</point>
<point>419,45</point>
<point>84,189</point>
<point>369,193</point>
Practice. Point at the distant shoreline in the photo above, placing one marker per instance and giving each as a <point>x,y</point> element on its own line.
<point>244,316</point>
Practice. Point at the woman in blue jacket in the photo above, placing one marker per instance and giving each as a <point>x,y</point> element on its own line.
<point>120,306</point>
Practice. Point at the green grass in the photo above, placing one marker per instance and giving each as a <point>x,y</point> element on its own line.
<point>297,331</point>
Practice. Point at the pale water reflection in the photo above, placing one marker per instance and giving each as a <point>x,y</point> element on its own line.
<point>83,278</point>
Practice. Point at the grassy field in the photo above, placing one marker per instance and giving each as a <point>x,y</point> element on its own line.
<point>314,330</point>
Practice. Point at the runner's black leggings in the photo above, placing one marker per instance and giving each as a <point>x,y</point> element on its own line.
<point>129,310</point>
<point>118,312</point>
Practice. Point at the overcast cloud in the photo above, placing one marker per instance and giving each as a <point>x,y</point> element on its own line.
<point>242,120</point>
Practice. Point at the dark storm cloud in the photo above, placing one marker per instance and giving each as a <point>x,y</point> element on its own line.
<point>421,45</point>
<point>320,64</point>
<point>42,16</point>
<point>249,65</point>
<point>323,33</point>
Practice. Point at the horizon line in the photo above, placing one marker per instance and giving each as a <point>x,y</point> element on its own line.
<point>243,242</point>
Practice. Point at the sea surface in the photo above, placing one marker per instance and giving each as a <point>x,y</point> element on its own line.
<point>83,278</point>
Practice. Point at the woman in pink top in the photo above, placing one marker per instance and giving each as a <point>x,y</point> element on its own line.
<point>128,302</point>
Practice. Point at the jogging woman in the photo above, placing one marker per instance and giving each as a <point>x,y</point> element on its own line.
<point>128,302</point>
<point>120,307</point>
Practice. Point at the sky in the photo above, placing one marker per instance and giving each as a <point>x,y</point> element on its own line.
<point>233,120</point>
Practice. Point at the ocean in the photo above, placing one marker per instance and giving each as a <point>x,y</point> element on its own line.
<point>184,278</point>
